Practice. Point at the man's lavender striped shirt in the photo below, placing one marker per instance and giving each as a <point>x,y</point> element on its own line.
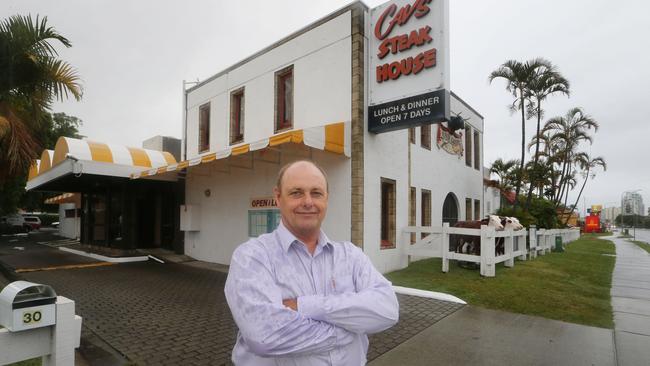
<point>341,298</point>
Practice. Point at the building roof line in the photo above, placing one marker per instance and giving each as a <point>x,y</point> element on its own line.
<point>282,41</point>
<point>466,104</point>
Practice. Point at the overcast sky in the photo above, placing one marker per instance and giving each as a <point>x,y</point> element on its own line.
<point>134,55</point>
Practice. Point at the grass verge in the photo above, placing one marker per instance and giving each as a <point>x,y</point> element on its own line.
<point>573,286</point>
<point>596,235</point>
<point>643,245</point>
<point>32,362</point>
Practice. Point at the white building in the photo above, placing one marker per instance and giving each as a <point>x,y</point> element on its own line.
<point>491,194</point>
<point>69,214</point>
<point>632,204</point>
<point>307,96</point>
<point>609,214</point>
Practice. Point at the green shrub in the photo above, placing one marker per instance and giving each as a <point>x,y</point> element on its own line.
<point>542,213</point>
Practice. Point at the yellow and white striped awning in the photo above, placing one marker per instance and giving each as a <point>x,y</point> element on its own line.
<point>98,152</point>
<point>333,137</point>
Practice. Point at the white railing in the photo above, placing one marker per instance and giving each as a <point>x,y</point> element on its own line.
<point>436,244</point>
<point>55,344</point>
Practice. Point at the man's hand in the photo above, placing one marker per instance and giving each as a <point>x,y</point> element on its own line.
<point>291,304</point>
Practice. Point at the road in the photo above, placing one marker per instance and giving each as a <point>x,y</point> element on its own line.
<point>641,234</point>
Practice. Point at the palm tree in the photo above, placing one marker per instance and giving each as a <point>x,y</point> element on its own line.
<point>546,167</point>
<point>518,76</point>
<point>32,78</point>
<point>547,81</point>
<point>569,131</point>
<point>505,170</point>
<point>587,164</point>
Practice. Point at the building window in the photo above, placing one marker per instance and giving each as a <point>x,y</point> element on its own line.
<point>204,128</point>
<point>425,136</point>
<point>388,215</point>
<point>262,222</point>
<point>284,99</point>
<point>468,146</point>
<point>412,135</point>
<point>477,210</point>
<point>477,151</point>
<point>237,116</point>
<point>468,208</point>
<point>426,209</point>
<point>70,214</point>
<point>412,209</point>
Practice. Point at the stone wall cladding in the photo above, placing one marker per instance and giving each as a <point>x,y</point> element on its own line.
<point>357,123</point>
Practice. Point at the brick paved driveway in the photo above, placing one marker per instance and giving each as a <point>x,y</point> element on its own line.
<point>175,314</point>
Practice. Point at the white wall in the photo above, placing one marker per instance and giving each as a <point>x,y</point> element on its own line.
<point>224,215</point>
<point>68,227</point>
<point>322,87</point>
<point>492,201</point>
<point>386,155</point>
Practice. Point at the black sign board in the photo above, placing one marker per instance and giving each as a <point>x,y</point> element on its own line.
<point>427,108</point>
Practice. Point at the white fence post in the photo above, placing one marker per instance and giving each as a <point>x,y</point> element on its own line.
<point>445,247</point>
<point>65,335</point>
<point>532,234</point>
<point>521,247</point>
<point>56,344</point>
<point>508,248</point>
<point>487,251</point>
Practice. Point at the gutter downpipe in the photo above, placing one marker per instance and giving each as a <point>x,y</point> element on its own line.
<point>184,141</point>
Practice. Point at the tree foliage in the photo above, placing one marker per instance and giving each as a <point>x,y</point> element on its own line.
<point>32,78</point>
<point>558,160</point>
<point>12,189</point>
<point>519,76</point>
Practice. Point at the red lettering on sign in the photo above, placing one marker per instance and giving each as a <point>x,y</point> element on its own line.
<point>409,65</point>
<point>404,42</point>
<point>419,9</point>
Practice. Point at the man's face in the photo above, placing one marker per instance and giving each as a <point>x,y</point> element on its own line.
<point>302,199</point>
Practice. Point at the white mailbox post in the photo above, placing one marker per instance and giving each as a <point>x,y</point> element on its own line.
<point>38,324</point>
<point>25,305</point>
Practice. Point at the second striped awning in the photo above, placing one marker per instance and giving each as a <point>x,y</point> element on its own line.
<point>333,137</point>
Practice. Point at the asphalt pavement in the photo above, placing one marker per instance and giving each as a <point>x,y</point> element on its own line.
<point>152,313</point>
<point>478,336</point>
<point>166,314</point>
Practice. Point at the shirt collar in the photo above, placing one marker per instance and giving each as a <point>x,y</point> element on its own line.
<point>287,238</point>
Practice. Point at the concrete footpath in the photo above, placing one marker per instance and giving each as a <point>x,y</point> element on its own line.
<point>478,336</point>
<point>631,303</point>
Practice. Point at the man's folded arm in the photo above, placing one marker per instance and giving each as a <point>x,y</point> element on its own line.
<point>267,326</point>
<point>373,308</point>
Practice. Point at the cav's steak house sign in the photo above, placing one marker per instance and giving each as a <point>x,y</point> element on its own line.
<point>409,60</point>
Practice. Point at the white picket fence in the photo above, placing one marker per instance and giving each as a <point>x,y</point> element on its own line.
<point>436,244</point>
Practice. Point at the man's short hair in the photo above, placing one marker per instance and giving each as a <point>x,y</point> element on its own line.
<point>278,183</point>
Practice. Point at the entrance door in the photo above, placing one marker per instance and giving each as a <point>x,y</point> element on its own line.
<point>146,219</point>
<point>97,218</point>
<point>450,209</point>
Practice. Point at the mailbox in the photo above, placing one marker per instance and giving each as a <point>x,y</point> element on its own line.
<point>26,305</point>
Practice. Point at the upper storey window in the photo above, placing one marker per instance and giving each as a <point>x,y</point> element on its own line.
<point>204,128</point>
<point>284,99</point>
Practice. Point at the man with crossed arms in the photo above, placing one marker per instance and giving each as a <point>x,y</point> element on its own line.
<point>298,297</point>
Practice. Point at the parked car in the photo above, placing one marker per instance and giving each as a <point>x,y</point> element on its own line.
<point>15,222</point>
<point>33,222</point>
